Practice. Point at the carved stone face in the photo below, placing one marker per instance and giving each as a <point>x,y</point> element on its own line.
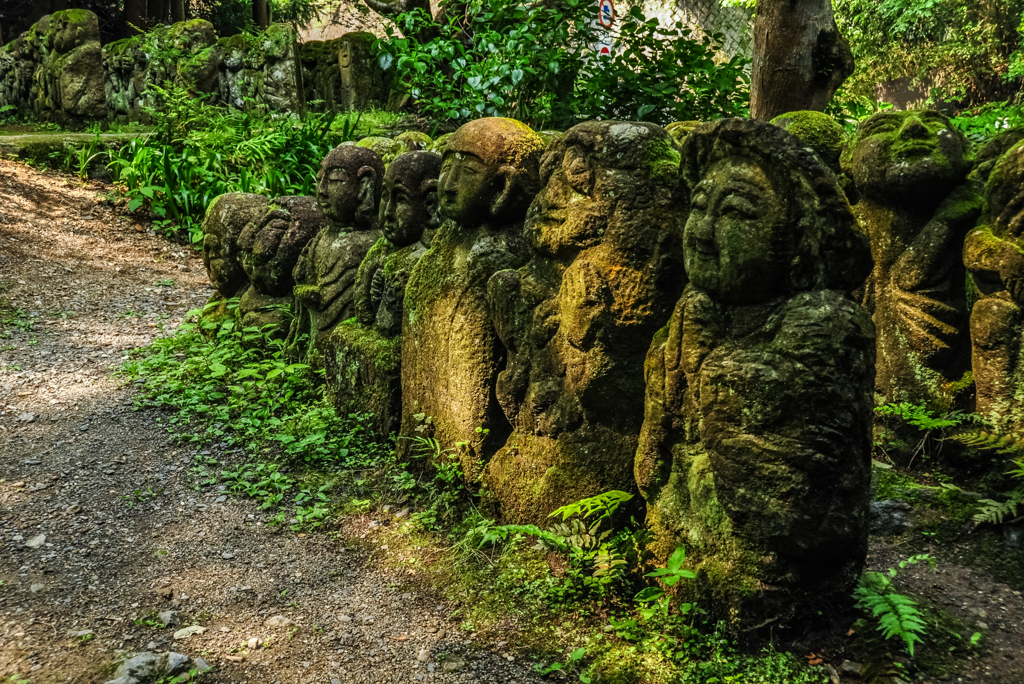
<point>337,193</point>
<point>225,219</point>
<point>408,204</point>
<point>345,55</point>
<point>489,172</point>
<point>348,187</point>
<point>225,272</point>
<point>895,154</point>
<point>734,244</point>
<point>467,187</point>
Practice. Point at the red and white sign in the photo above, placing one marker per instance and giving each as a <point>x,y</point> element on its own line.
<point>606,13</point>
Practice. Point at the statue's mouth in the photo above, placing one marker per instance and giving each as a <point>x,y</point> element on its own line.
<point>914,149</point>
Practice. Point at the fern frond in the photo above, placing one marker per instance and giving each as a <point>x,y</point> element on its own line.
<point>605,504</point>
<point>896,615</point>
<point>990,441</point>
<point>546,539</point>
<point>994,512</point>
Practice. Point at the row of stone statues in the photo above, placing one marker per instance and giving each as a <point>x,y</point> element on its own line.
<point>686,313</point>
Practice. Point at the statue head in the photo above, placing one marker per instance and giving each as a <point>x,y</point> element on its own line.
<point>596,170</point>
<point>767,218</point>
<point>271,245</point>
<point>408,205</point>
<point>907,157</point>
<point>817,130</point>
<point>225,218</point>
<point>348,186</point>
<point>1004,196</point>
<point>489,172</point>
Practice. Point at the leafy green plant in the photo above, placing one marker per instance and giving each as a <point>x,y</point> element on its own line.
<point>535,62</point>
<point>570,666</point>
<point>990,510</point>
<point>893,614</point>
<point>927,422</point>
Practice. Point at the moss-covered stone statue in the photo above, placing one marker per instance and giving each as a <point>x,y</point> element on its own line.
<point>270,248</point>
<point>363,356</point>
<point>225,219</point>
<point>994,255</point>
<point>578,319</point>
<point>348,192</point>
<point>817,130</point>
<point>362,81</point>
<point>451,353</point>
<point>756,444</point>
<point>909,169</point>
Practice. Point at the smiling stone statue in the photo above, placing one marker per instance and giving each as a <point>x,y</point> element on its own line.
<point>348,191</point>
<point>363,356</point>
<point>578,318</point>
<point>451,354</point>
<point>756,441</point>
<point>909,170</point>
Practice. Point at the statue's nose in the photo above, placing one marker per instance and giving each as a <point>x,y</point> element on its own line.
<point>914,129</point>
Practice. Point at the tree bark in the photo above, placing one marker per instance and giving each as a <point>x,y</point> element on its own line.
<point>261,13</point>
<point>158,11</point>
<point>800,59</point>
<point>177,10</point>
<point>134,17</point>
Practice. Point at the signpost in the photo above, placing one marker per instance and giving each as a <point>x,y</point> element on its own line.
<point>605,20</point>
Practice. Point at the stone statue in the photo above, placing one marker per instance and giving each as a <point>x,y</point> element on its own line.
<point>225,218</point>
<point>363,356</point>
<point>817,130</point>
<point>348,191</point>
<point>361,78</point>
<point>578,319</point>
<point>270,247</point>
<point>994,255</point>
<point>451,354</point>
<point>909,170</point>
<point>755,451</point>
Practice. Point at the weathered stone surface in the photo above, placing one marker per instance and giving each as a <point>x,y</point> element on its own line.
<point>909,169</point>
<point>362,81</point>
<point>321,75</point>
<point>994,255</point>
<point>262,70</point>
<point>817,130</point>
<point>225,219</point>
<point>183,53</point>
<point>680,129</point>
<point>363,356</point>
<point>451,354</point>
<point>67,83</point>
<point>348,192</point>
<point>270,248</point>
<point>755,448</point>
<point>578,319</point>
<point>440,144</point>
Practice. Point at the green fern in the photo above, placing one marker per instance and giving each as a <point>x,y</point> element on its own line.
<point>605,504</point>
<point>995,512</point>
<point>990,441</point>
<point>878,666</point>
<point>895,615</point>
<point>545,539</point>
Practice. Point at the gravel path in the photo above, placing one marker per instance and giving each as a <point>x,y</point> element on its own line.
<point>100,529</point>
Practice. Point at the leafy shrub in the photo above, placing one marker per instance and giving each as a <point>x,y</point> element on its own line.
<point>536,62</point>
<point>199,152</point>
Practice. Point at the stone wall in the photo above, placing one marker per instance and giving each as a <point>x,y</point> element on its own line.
<point>57,70</point>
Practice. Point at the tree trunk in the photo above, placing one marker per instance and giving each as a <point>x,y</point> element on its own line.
<point>800,59</point>
<point>177,10</point>
<point>134,17</point>
<point>261,13</point>
<point>158,11</point>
